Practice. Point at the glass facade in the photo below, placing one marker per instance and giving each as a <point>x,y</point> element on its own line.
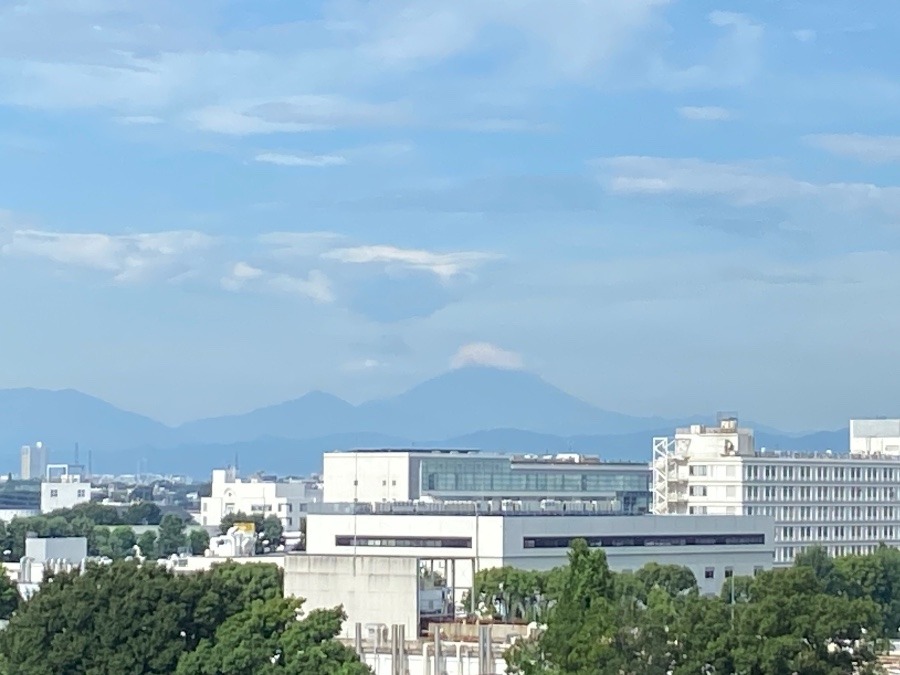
<point>502,478</point>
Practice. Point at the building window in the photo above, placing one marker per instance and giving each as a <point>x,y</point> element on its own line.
<point>729,572</point>
<point>54,493</point>
<point>649,540</point>
<point>81,493</point>
<point>757,571</point>
<point>709,573</point>
<point>697,470</point>
<point>203,506</point>
<point>407,542</point>
<point>697,491</point>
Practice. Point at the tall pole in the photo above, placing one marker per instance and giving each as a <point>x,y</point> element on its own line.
<point>732,600</point>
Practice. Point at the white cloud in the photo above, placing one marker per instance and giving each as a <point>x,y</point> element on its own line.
<point>444,265</point>
<point>872,149</point>
<point>139,120</point>
<point>740,184</point>
<point>128,258</point>
<point>243,276</point>
<point>363,365</point>
<point>282,159</point>
<point>704,113</point>
<point>300,243</point>
<point>486,354</point>
<point>805,35</point>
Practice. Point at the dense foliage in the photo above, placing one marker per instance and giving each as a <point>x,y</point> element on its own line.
<point>821,617</point>
<point>108,531</point>
<point>143,619</point>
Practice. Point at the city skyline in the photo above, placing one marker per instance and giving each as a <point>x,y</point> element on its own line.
<point>661,208</point>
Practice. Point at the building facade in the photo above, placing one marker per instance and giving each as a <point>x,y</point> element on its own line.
<point>64,492</point>
<point>258,495</point>
<point>33,461</point>
<point>461,475</point>
<point>528,536</point>
<point>846,503</point>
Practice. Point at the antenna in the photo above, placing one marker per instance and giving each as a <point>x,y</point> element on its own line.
<point>90,456</point>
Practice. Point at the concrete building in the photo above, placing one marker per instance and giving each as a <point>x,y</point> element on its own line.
<point>467,537</point>
<point>286,499</point>
<point>33,461</point>
<point>847,503</point>
<point>453,475</point>
<point>63,492</point>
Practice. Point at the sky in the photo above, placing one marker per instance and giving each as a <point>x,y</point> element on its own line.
<point>662,207</point>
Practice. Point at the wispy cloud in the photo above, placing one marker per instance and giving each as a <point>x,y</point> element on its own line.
<point>804,35</point>
<point>740,184</point>
<point>443,265</point>
<point>486,354</point>
<point>704,113</point>
<point>871,149</point>
<point>243,276</point>
<point>140,120</point>
<point>128,258</point>
<point>282,159</point>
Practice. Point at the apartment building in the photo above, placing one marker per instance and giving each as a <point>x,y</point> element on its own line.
<point>845,502</point>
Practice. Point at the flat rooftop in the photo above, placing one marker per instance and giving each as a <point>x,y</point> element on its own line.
<point>564,458</point>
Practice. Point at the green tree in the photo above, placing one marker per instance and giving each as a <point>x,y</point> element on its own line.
<point>121,542</point>
<point>268,529</point>
<point>171,535</point>
<point>142,513</point>
<point>198,540</point>
<point>9,595</point>
<point>147,543</point>
<point>270,637</point>
<point>672,579</point>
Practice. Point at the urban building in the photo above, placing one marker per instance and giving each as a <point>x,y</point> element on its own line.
<point>454,475</point>
<point>845,502</point>
<point>467,537</point>
<point>33,461</point>
<point>64,491</point>
<point>267,496</point>
<point>19,499</point>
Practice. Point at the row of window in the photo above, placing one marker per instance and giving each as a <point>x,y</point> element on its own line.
<point>819,493</point>
<point>710,572</point>
<point>785,554</point>
<point>833,532</point>
<point>650,540</point>
<point>406,542</point>
<point>775,472</point>
<point>55,493</point>
<point>823,513</point>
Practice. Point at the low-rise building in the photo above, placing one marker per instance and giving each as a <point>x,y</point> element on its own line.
<point>267,496</point>
<point>451,475</point>
<point>467,537</point>
<point>63,492</point>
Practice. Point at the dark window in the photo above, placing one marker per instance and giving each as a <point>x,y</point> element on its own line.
<point>653,540</point>
<point>709,573</point>
<point>407,542</point>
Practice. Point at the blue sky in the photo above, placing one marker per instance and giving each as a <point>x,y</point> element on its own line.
<point>663,207</point>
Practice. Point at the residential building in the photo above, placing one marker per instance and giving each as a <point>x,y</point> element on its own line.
<point>451,475</point>
<point>33,461</point>
<point>287,499</point>
<point>63,492</point>
<point>847,503</point>
<point>479,535</point>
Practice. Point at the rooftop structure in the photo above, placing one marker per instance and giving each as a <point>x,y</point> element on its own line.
<point>848,503</point>
<point>455,475</point>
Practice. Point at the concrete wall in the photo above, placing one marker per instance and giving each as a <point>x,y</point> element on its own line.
<point>372,589</point>
<point>41,549</point>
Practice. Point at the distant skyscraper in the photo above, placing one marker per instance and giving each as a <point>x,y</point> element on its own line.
<point>34,461</point>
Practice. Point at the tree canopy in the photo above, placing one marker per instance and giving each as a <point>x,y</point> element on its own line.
<point>143,619</point>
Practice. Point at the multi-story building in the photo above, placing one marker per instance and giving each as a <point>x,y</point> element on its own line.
<point>846,502</point>
<point>33,461</point>
<point>267,496</point>
<point>461,475</point>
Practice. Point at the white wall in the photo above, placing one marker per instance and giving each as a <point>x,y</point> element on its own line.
<point>7,515</point>
<point>71,549</point>
<point>63,495</point>
<point>368,476</point>
<point>284,499</point>
<point>372,589</point>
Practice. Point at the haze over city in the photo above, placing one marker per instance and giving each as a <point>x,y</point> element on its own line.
<point>662,208</point>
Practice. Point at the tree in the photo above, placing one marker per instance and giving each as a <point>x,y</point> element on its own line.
<point>142,619</point>
<point>198,540</point>
<point>9,595</point>
<point>268,528</point>
<point>672,579</point>
<point>142,513</point>
<point>171,535</point>
<point>270,637</point>
<point>147,543</point>
<point>121,542</point>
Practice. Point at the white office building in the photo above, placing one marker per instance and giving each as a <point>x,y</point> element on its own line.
<point>442,475</point>
<point>266,496</point>
<point>476,536</point>
<point>33,461</point>
<point>847,503</point>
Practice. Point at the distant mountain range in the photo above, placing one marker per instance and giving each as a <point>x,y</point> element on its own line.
<point>481,408</point>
